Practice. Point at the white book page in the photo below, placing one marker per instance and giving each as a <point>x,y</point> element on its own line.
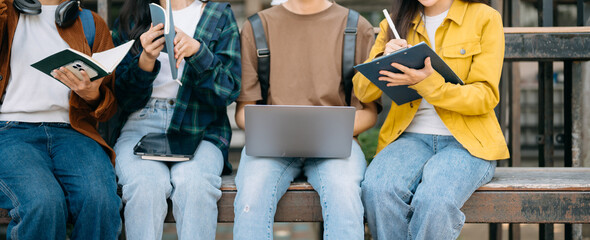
<point>84,56</point>
<point>168,18</point>
<point>109,59</point>
<point>167,159</point>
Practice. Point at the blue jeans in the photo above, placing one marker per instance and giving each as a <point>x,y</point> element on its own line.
<point>416,186</point>
<point>51,174</point>
<point>261,183</point>
<point>193,186</point>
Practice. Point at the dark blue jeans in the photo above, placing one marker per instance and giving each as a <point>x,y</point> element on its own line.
<point>51,174</point>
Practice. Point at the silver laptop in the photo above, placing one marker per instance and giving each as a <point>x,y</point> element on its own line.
<point>299,131</point>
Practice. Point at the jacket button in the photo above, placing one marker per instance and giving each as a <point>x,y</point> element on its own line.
<point>399,132</point>
<point>411,105</point>
<point>462,52</point>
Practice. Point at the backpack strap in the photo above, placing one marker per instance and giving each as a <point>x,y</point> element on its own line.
<point>263,55</point>
<point>348,52</point>
<point>88,26</point>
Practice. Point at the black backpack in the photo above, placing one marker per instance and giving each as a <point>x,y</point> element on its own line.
<point>348,52</point>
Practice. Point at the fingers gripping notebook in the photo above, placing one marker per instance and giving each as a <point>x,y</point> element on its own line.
<point>412,57</point>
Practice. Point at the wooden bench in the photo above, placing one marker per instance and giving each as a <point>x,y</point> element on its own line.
<point>515,195</point>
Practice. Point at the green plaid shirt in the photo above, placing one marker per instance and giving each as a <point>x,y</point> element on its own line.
<point>210,81</point>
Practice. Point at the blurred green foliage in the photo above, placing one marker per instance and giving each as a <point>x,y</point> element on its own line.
<point>368,142</point>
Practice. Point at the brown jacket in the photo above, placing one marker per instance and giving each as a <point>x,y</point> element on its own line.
<point>83,117</point>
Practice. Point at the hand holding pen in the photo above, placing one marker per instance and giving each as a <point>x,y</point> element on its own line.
<point>408,76</point>
<point>397,43</point>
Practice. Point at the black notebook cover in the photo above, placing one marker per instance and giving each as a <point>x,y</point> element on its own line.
<point>167,147</point>
<point>412,57</point>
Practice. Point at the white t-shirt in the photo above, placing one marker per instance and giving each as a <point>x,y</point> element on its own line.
<point>186,19</point>
<point>32,96</point>
<point>427,120</point>
<point>277,2</point>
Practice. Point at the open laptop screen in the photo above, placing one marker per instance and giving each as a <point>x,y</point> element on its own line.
<point>299,131</point>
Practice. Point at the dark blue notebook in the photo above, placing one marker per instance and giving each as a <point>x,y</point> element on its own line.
<point>412,57</point>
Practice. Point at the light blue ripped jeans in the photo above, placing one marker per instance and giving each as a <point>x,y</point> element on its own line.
<point>416,186</point>
<point>261,183</point>
<point>193,186</point>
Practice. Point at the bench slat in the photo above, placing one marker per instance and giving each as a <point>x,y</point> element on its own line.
<point>528,207</point>
<point>505,179</point>
<point>228,184</point>
<point>295,206</point>
<point>539,179</point>
<point>547,46</point>
<point>546,29</point>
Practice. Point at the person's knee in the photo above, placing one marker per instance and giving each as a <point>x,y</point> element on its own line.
<point>101,197</point>
<point>197,181</point>
<point>261,191</point>
<point>371,186</point>
<point>252,199</point>
<point>434,203</point>
<point>49,205</point>
<point>374,188</point>
<point>198,188</point>
<point>438,212</point>
<point>147,188</point>
<point>342,196</point>
<point>343,187</point>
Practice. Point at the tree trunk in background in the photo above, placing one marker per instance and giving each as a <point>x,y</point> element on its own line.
<point>102,7</point>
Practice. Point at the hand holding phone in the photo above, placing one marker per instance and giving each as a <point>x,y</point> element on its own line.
<point>77,66</point>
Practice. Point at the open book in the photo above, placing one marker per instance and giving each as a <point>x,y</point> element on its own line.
<point>99,65</point>
<point>161,15</point>
<point>412,57</point>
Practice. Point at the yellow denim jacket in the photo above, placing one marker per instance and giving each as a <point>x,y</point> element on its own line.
<point>471,40</point>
